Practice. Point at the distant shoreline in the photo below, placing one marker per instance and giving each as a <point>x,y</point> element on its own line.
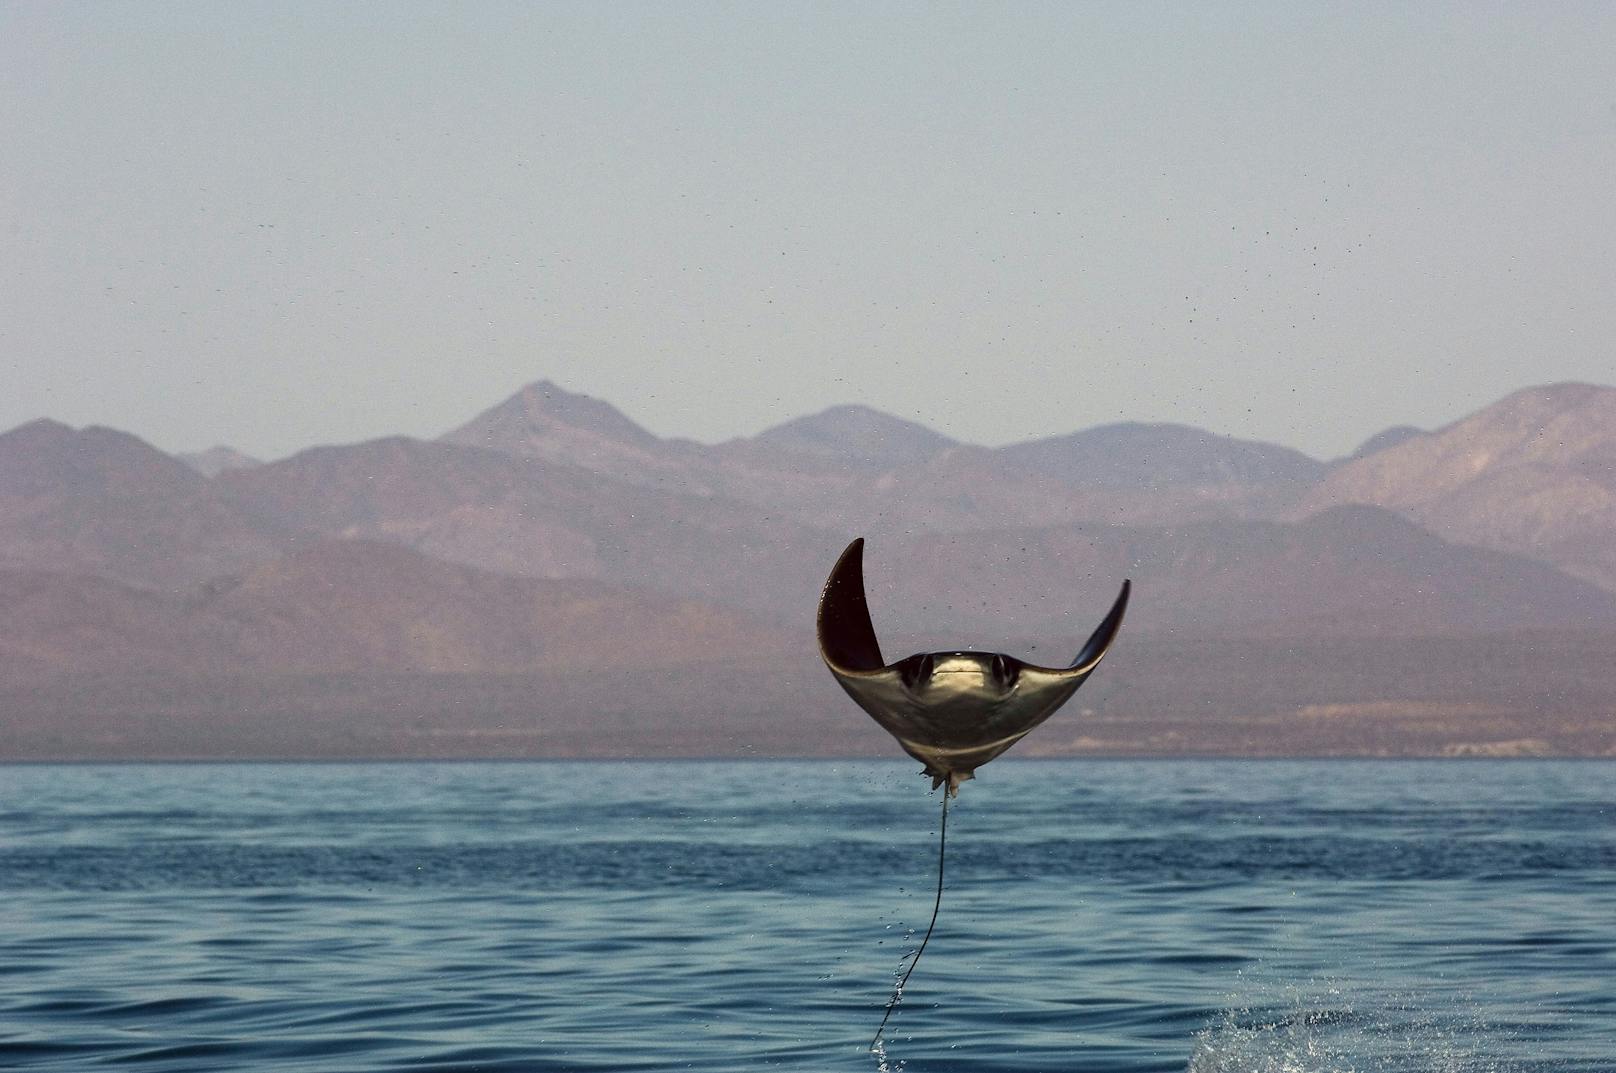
<point>781,760</point>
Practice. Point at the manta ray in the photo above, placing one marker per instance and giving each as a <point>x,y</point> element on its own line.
<point>952,711</point>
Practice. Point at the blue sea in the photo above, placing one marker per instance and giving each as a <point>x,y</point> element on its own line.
<point>1213,917</point>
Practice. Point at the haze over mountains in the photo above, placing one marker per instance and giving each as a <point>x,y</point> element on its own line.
<point>551,579</point>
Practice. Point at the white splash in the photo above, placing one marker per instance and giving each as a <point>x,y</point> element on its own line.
<point>1329,1034</point>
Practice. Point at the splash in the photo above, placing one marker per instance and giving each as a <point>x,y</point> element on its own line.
<point>1329,1033</point>
<point>883,1064</point>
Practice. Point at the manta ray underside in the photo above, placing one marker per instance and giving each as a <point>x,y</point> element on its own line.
<point>952,711</point>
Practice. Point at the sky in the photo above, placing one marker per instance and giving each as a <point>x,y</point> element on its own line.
<point>273,225</point>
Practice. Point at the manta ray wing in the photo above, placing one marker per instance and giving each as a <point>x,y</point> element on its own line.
<point>952,711</point>
<point>846,636</point>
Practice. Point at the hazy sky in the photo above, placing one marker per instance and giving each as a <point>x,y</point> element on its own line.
<point>274,225</point>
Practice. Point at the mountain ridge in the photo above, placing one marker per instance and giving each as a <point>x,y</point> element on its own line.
<point>1533,474</point>
<point>557,538</point>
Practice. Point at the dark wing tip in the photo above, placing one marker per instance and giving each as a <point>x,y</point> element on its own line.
<point>1105,633</point>
<point>846,636</point>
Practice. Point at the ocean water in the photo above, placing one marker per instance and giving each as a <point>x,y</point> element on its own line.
<point>1214,917</point>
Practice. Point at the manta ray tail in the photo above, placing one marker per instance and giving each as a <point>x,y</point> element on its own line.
<point>897,991</point>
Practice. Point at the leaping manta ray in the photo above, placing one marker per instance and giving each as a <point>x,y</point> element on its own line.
<point>952,711</point>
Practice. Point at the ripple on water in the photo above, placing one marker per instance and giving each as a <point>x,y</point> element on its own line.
<point>1212,917</point>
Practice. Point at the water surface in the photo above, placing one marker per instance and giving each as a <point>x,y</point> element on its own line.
<point>1106,916</point>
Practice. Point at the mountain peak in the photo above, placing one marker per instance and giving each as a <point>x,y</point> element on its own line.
<point>544,411</point>
<point>1550,423</point>
<point>1135,454</point>
<point>1534,473</point>
<point>546,404</point>
<point>1553,425</point>
<point>48,457</point>
<point>857,432</point>
<point>39,428</point>
<point>1560,395</point>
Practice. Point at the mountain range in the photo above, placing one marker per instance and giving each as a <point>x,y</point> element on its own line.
<point>551,579</point>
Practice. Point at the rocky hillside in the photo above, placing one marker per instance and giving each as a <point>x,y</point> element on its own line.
<point>354,606</point>
<point>102,502</point>
<point>1534,474</point>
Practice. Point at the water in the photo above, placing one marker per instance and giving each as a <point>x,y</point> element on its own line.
<point>1216,917</point>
